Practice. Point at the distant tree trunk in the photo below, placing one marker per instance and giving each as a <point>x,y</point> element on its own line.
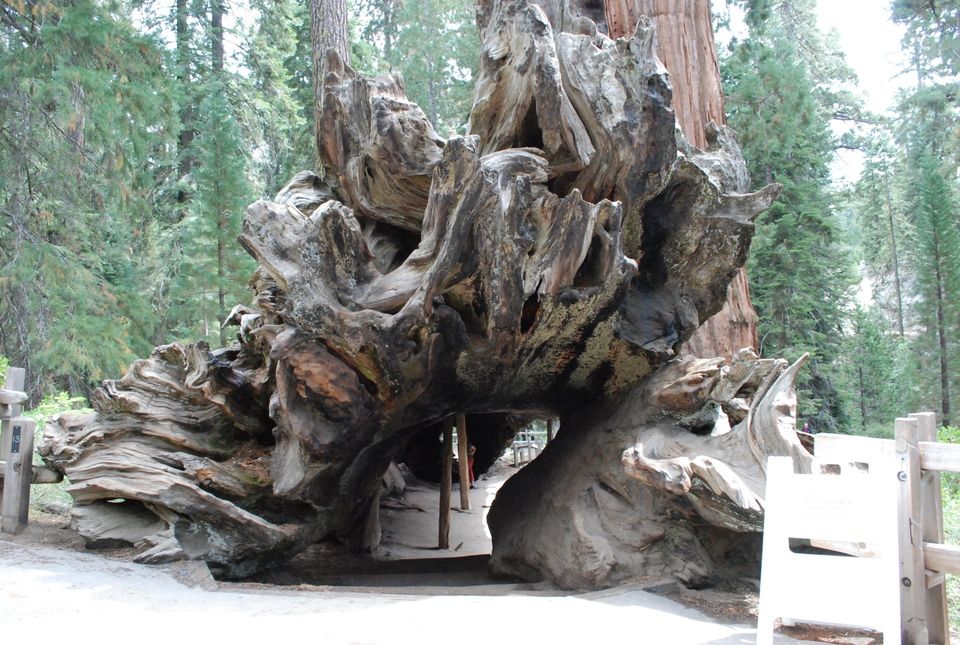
<point>861,382</point>
<point>328,30</point>
<point>216,34</point>
<point>942,337</point>
<point>223,224</point>
<point>223,217</point>
<point>389,30</point>
<point>185,138</point>
<point>896,255</point>
<point>686,47</point>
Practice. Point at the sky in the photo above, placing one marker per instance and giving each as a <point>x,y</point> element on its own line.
<point>872,45</point>
<point>871,42</point>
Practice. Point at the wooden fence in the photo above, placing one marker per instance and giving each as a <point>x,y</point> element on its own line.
<point>924,558</point>
<point>915,459</point>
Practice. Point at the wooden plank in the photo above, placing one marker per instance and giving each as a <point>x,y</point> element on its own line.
<point>938,618</point>
<point>15,380</point>
<point>12,397</point>
<point>446,483</point>
<point>934,578</point>
<point>41,474</point>
<point>18,474</point>
<point>941,457</point>
<point>913,613</point>
<point>463,460</point>
<point>944,558</point>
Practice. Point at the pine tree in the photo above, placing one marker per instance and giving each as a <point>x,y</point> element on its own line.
<point>881,225</point>
<point>436,47</point>
<point>214,268</point>
<point>880,366</point>
<point>282,110</point>
<point>800,267</point>
<point>87,121</point>
<point>937,258</point>
<point>932,35</point>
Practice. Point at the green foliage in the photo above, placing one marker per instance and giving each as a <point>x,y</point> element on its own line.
<point>879,374</point>
<point>213,268</point>
<point>950,486</point>
<point>86,115</point>
<point>53,404</point>
<point>800,264</point>
<point>883,233</point>
<point>281,96</point>
<point>436,47</point>
<point>932,34</point>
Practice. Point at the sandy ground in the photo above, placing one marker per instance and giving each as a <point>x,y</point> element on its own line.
<point>81,597</point>
<point>410,525</point>
<point>408,592</point>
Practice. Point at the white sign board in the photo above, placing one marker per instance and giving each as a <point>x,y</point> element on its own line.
<point>856,507</point>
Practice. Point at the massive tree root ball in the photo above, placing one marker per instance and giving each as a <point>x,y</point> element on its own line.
<point>550,263</point>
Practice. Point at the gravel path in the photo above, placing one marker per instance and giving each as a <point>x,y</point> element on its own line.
<point>77,597</point>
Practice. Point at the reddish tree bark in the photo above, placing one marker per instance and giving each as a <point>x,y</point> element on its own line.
<point>685,45</point>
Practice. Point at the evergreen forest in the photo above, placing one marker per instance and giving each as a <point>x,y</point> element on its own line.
<point>133,133</point>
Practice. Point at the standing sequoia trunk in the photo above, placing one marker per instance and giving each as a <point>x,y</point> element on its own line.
<point>328,31</point>
<point>216,57</point>
<point>685,45</point>
<point>550,263</point>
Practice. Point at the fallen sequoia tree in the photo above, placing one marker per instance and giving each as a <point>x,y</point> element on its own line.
<point>550,263</point>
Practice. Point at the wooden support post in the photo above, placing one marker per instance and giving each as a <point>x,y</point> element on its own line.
<point>18,474</point>
<point>15,380</point>
<point>551,428</point>
<point>938,620</point>
<point>446,483</point>
<point>463,447</point>
<point>370,539</point>
<point>913,614</point>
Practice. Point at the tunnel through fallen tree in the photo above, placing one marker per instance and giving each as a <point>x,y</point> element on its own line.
<point>549,264</point>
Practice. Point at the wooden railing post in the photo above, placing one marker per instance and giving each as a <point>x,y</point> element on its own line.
<point>936,595</point>
<point>14,382</point>
<point>913,614</point>
<point>446,483</point>
<point>18,474</point>
<point>463,448</point>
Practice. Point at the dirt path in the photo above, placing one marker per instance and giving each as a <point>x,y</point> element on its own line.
<point>408,592</point>
<point>76,597</point>
<point>410,525</point>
